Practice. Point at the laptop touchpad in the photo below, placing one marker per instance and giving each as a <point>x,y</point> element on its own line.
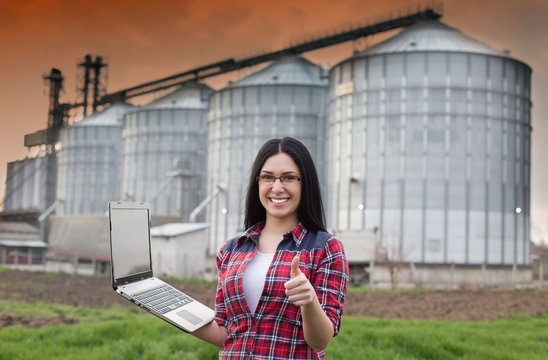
<point>191,318</point>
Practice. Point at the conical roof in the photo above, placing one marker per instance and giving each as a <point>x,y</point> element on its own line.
<point>431,35</point>
<point>191,95</point>
<point>291,70</point>
<point>113,115</point>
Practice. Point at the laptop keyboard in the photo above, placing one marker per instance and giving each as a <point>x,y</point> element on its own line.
<point>162,299</point>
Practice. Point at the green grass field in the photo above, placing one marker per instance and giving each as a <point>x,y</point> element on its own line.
<point>133,334</point>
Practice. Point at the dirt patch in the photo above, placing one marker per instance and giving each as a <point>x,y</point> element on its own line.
<point>96,292</point>
<point>91,292</point>
<point>457,305</point>
<point>11,320</point>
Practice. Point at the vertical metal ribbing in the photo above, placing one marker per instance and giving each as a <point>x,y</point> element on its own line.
<point>241,160</point>
<point>337,132</point>
<point>503,145</point>
<point>447,149</point>
<point>367,142</point>
<point>467,159</point>
<point>365,163</point>
<point>515,161</point>
<point>350,145</point>
<point>403,156</point>
<point>383,147</point>
<point>487,167</point>
<point>424,160</point>
<point>526,178</point>
<point>338,158</point>
<point>227,121</point>
<point>348,158</point>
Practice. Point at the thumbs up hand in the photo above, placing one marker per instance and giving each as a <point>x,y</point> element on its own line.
<point>298,289</point>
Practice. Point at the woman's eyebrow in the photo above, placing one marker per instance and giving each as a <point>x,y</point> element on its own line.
<point>283,173</point>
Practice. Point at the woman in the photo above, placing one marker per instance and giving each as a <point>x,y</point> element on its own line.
<point>282,283</point>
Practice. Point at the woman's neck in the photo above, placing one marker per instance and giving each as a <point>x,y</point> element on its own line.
<point>279,226</point>
<point>272,233</point>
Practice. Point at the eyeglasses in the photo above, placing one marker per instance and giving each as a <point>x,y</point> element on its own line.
<point>271,179</point>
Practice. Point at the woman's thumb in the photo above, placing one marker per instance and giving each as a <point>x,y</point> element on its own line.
<point>295,271</point>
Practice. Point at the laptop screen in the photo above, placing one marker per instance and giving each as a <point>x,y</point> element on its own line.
<point>130,242</point>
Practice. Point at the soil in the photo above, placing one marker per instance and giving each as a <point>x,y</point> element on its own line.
<point>458,305</point>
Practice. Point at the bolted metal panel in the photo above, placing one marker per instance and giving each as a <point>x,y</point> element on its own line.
<point>287,98</point>
<point>165,152</point>
<point>89,162</point>
<point>429,137</point>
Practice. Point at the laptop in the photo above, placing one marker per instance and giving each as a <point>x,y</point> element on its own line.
<point>132,276</point>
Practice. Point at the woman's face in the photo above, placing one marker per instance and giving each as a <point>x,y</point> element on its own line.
<point>280,199</point>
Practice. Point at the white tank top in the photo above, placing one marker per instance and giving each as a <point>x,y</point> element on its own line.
<point>254,278</point>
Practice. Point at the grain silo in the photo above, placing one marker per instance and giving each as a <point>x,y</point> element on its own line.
<point>25,184</point>
<point>286,98</point>
<point>165,152</point>
<point>90,162</point>
<point>430,136</point>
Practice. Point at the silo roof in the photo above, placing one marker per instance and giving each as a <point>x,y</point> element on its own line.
<point>113,115</point>
<point>431,35</point>
<point>191,95</point>
<point>291,70</point>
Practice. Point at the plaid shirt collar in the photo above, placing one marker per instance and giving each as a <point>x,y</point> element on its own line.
<point>297,233</point>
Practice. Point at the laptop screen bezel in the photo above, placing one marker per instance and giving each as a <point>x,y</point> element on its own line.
<point>136,276</point>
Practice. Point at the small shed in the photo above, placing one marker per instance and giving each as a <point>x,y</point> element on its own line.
<point>20,244</point>
<point>179,250</point>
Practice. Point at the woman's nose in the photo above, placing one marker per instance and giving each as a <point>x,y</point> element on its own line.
<point>278,185</point>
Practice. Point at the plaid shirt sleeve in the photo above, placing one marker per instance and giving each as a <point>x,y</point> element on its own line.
<point>220,311</point>
<point>330,280</point>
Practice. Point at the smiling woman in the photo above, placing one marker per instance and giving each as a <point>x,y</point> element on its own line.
<point>280,195</point>
<point>283,282</point>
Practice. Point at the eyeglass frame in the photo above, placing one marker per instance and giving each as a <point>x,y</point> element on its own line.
<point>258,179</point>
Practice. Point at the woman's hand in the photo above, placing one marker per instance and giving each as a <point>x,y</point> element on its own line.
<point>298,289</point>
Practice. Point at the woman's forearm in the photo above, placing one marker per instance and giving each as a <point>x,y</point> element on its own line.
<point>212,333</point>
<point>317,328</point>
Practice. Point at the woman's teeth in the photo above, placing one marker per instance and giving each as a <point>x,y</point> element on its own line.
<point>278,201</point>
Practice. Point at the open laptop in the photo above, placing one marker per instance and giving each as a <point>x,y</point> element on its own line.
<point>131,266</point>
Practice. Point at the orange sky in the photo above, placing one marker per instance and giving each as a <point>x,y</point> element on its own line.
<point>143,41</point>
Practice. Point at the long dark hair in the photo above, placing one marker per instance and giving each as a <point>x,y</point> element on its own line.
<point>310,210</point>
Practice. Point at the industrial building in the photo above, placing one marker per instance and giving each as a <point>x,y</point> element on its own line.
<point>422,143</point>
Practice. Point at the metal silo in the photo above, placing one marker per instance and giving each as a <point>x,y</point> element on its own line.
<point>25,184</point>
<point>89,162</point>
<point>430,136</point>
<point>165,152</point>
<point>286,98</point>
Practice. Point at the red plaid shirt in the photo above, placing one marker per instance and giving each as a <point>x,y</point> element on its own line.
<point>275,330</point>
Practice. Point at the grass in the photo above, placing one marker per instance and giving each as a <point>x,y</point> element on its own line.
<point>122,333</point>
<point>515,338</point>
<point>117,333</point>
